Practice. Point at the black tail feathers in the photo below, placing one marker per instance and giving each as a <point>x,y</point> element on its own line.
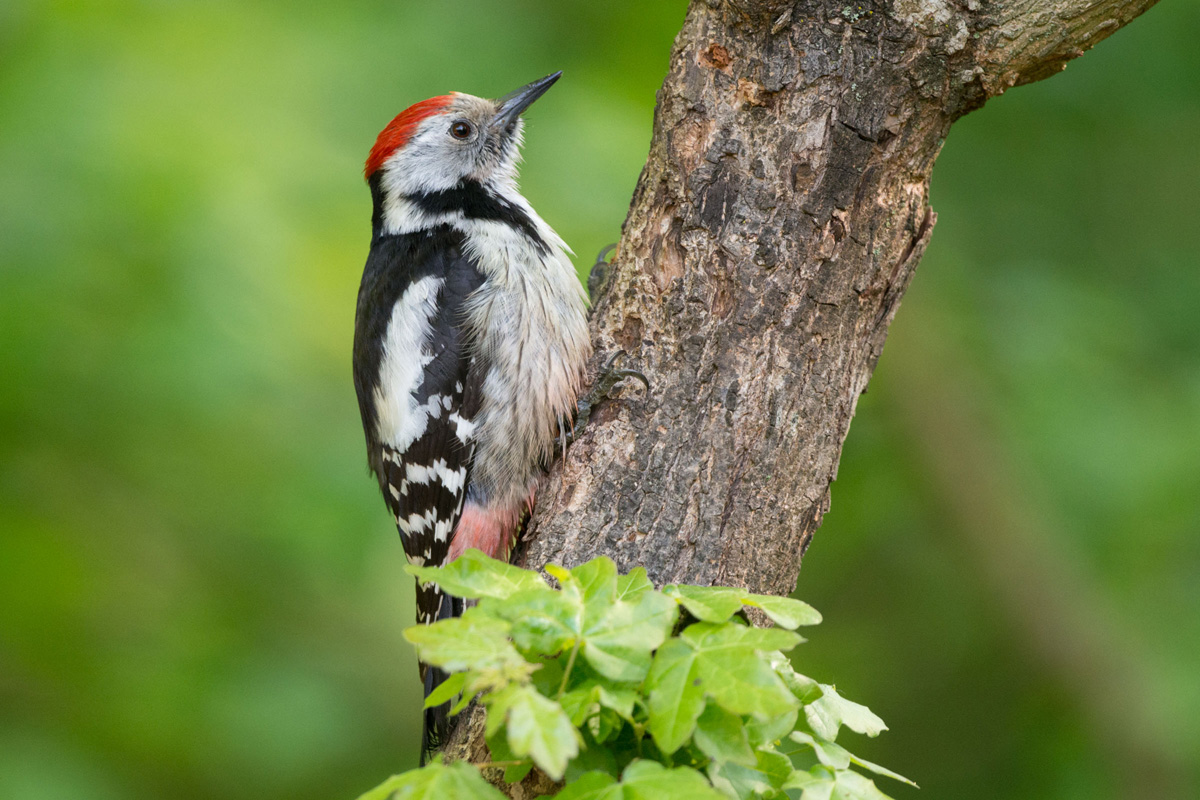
<point>437,725</point>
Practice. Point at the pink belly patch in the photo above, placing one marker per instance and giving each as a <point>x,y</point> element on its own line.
<point>486,528</point>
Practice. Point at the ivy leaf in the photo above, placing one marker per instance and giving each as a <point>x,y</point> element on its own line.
<point>765,777</point>
<point>804,688</point>
<point>605,726</point>
<point>474,575</point>
<point>594,758</point>
<point>618,699</point>
<point>784,611</point>
<point>472,641</point>
<point>831,755</point>
<point>708,636</point>
<point>592,786</point>
<point>771,729</point>
<point>734,674</point>
<point>618,644</point>
<point>676,697</point>
<point>812,786</point>
<point>706,603</point>
<point>852,786</point>
<point>542,622</point>
<point>837,757</point>
<point>736,780</point>
<point>631,587</point>
<point>539,728</point>
<point>598,581</point>
<point>649,780</point>
<point>446,690</point>
<point>722,737</point>
<point>579,702</point>
<point>878,770</point>
<point>776,766</point>
<point>826,716</point>
<point>434,782</point>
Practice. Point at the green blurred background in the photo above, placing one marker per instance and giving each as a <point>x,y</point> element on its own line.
<point>201,595</point>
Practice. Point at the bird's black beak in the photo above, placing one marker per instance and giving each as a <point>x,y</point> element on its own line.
<point>513,103</point>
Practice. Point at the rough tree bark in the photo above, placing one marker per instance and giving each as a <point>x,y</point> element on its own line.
<point>777,223</point>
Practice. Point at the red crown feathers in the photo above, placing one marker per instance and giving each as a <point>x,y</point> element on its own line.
<point>399,130</point>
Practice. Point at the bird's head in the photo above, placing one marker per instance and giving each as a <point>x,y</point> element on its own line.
<point>436,144</point>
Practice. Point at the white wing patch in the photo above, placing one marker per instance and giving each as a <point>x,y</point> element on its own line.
<point>400,419</point>
<point>464,428</point>
<point>452,479</point>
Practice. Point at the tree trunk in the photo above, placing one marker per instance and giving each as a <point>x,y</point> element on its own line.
<point>780,216</point>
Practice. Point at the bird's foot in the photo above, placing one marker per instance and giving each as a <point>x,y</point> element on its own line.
<point>610,376</point>
<point>598,274</point>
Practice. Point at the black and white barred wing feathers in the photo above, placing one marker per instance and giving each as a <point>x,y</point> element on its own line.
<point>421,394</point>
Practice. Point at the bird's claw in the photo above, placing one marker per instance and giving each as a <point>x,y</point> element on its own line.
<point>598,274</point>
<point>610,376</point>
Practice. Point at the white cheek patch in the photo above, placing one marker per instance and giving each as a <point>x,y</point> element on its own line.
<point>401,215</point>
<point>400,419</point>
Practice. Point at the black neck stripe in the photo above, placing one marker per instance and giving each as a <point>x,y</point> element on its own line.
<point>471,199</point>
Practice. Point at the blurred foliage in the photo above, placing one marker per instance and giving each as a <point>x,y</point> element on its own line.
<point>200,593</point>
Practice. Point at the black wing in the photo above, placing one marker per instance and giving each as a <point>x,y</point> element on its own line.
<point>424,474</point>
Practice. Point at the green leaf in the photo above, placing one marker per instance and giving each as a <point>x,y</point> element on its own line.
<point>852,786</point>
<point>812,786</point>
<point>543,623</point>
<point>764,777</point>
<point>472,641</point>
<point>618,644</point>
<point>706,603</point>
<point>831,755</point>
<point>837,757</point>
<point>539,728</point>
<point>649,780</point>
<point>447,690</point>
<point>878,770</point>
<point>776,766</point>
<point>827,714</point>
<point>770,729</point>
<point>784,611</point>
<point>473,575</point>
<point>605,726</point>
<point>594,758</point>
<point>705,635</point>
<point>733,673</point>
<point>739,781</point>
<point>435,782</point>
<point>598,581</point>
<point>619,699</point>
<point>580,701</point>
<point>497,705</point>
<point>804,688</point>
<point>631,587</point>
<point>722,737</point>
<point>592,786</point>
<point>675,696</point>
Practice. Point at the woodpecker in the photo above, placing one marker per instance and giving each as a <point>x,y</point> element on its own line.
<point>470,338</point>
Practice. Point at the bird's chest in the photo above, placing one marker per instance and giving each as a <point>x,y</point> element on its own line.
<point>529,294</point>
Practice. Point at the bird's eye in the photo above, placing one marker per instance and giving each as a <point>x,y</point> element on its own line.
<point>460,130</point>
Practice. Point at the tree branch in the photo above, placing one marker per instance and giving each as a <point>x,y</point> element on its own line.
<point>775,227</point>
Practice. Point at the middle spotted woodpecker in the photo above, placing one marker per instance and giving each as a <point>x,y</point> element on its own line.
<point>470,337</point>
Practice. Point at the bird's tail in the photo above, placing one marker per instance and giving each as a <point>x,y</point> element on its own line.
<point>433,605</point>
